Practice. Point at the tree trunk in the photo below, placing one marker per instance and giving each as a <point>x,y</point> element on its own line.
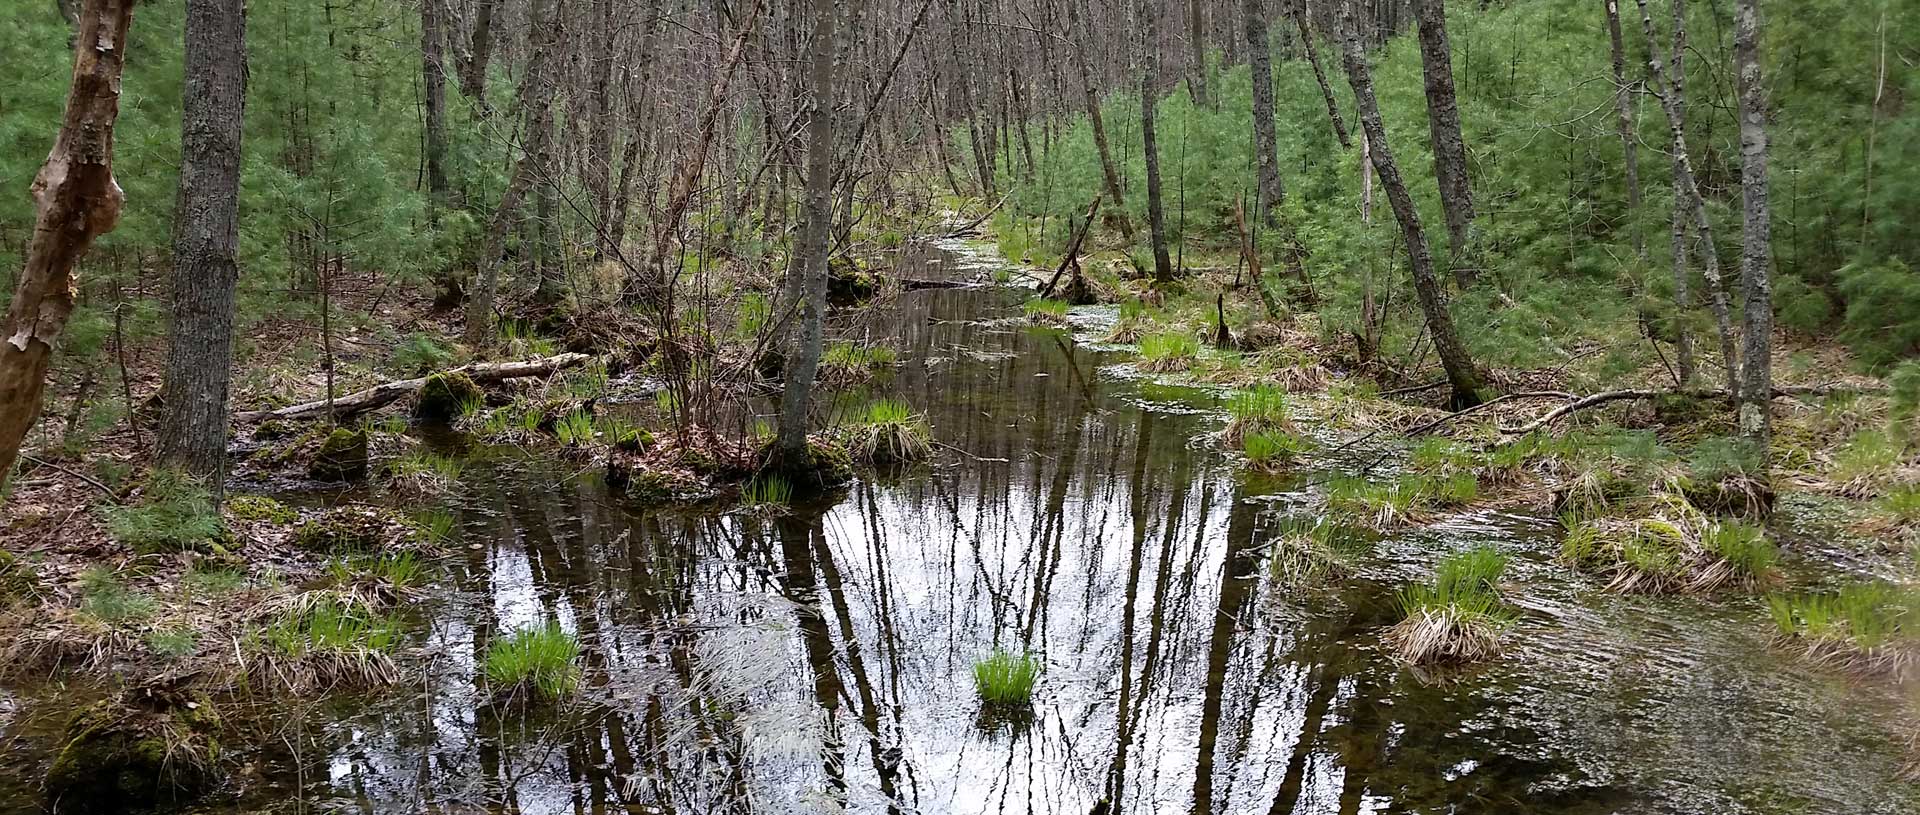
<point>193,423</point>
<point>1449,147</point>
<point>1433,301</point>
<point>1090,97</point>
<point>473,80</point>
<point>599,160</point>
<point>433,82</point>
<point>1755,393</point>
<point>1197,46</point>
<point>536,99</point>
<point>1266,151</point>
<point>1624,124</point>
<point>1149,91</point>
<point>807,268</point>
<point>1686,196</point>
<point>1300,16</point>
<point>75,200</point>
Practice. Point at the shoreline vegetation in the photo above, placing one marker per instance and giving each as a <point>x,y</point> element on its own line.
<point>273,308</point>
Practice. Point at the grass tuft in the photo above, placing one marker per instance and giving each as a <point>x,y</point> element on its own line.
<point>537,660</point>
<point>889,433</point>
<point>1005,678</point>
<point>1678,548</point>
<point>1457,618</point>
<point>1168,352</point>
<point>1046,312</point>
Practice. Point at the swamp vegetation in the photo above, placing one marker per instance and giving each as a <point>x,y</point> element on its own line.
<point>961,407</point>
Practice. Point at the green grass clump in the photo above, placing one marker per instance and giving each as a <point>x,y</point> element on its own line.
<point>1167,352</point>
<point>575,429</point>
<point>436,525</point>
<point>847,363</point>
<point>1901,505</point>
<point>1005,678</point>
<point>1458,617</point>
<point>1410,498</point>
<point>326,639</point>
<point>1305,554</point>
<point>1272,450</point>
<point>1676,548</point>
<point>538,660</point>
<point>1046,312</point>
<point>175,513</point>
<point>1863,627</point>
<point>1131,324</point>
<point>1256,410</point>
<point>421,472</point>
<point>768,492</point>
<point>1866,462</point>
<point>889,433</point>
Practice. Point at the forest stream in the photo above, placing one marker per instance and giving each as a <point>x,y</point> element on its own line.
<point>819,660</point>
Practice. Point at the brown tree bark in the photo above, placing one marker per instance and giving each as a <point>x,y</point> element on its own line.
<point>1197,50</point>
<point>1461,375</point>
<point>1755,393</point>
<point>1300,15</point>
<point>1449,147</point>
<point>473,76</point>
<point>807,267</point>
<point>193,421</point>
<point>433,83</point>
<point>1149,92</point>
<point>1265,147</point>
<point>597,166</point>
<point>1090,98</point>
<point>75,200</point>
<point>1669,80</point>
<point>536,100</point>
<point>1624,122</point>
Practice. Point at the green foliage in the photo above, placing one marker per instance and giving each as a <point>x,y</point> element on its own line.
<point>1168,351</point>
<point>1409,497</point>
<point>1266,451</point>
<point>1865,616</point>
<point>1046,312</point>
<point>104,598</point>
<point>575,429</point>
<point>445,397</point>
<point>889,433</point>
<point>539,660</point>
<point>1005,678</point>
<point>334,637</point>
<point>437,525</point>
<point>261,509</point>
<point>1465,579</point>
<point>421,353</point>
<point>768,492</point>
<point>1459,616</point>
<point>173,643</point>
<point>851,362</point>
<point>175,513</point>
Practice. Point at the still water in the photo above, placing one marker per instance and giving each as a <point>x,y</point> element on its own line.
<point>821,662</point>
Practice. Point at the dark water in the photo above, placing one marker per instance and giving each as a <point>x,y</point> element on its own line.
<point>821,661</point>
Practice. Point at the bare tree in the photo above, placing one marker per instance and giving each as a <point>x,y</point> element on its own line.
<point>1149,91</point>
<point>193,422</point>
<point>1461,375</point>
<point>1090,97</point>
<point>1300,15</point>
<point>1670,84</point>
<point>433,83</point>
<point>75,201</point>
<point>536,101</point>
<point>807,267</point>
<point>1197,50</point>
<point>473,74</point>
<point>1755,393</point>
<point>1266,152</point>
<point>1449,147</point>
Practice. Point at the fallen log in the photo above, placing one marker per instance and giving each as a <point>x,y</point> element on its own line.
<point>386,393</point>
<point>1598,399</point>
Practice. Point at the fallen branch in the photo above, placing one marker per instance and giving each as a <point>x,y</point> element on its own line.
<point>1422,428</point>
<point>386,393</point>
<point>975,223</point>
<point>1609,397</point>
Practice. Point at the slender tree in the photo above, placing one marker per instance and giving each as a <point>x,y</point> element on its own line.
<point>536,101</point>
<point>193,423</point>
<point>1266,151</point>
<point>1670,85</point>
<point>1149,92</point>
<point>1197,50</point>
<point>473,74</point>
<point>1449,147</point>
<point>75,201</point>
<point>1301,13</point>
<point>1461,375</point>
<point>1756,253</point>
<point>1090,98</point>
<point>433,84</point>
<point>807,267</point>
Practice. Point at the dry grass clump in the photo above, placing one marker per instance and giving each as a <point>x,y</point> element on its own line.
<point>321,640</point>
<point>1674,548</point>
<point>1458,618</point>
<point>1865,628</point>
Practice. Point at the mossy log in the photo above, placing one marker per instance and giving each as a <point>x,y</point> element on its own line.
<point>386,393</point>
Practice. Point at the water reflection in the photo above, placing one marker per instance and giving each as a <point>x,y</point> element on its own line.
<point>821,661</point>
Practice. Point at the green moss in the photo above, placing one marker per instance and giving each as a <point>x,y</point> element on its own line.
<point>261,509</point>
<point>444,396</point>
<point>354,529</point>
<point>117,758</point>
<point>341,457</point>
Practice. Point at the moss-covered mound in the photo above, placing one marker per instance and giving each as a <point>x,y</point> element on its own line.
<point>445,396</point>
<point>355,529</point>
<point>260,509</point>
<point>341,457</point>
<point>120,758</point>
